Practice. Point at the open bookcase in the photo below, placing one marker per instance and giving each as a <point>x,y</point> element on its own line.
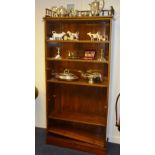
<point>77,109</point>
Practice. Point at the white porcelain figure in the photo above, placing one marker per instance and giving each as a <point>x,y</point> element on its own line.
<point>58,36</point>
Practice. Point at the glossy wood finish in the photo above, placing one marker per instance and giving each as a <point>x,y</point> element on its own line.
<point>81,83</point>
<point>74,144</point>
<point>77,41</point>
<point>77,110</point>
<point>82,18</point>
<point>77,60</point>
<point>78,99</point>
<point>78,135</point>
<point>79,118</point>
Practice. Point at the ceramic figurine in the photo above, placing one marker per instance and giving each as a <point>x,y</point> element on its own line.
<point>101,38</point>
<point>73,36</point>
<point>58,36</point>
<point>65,37</point>
<point>94,36</point>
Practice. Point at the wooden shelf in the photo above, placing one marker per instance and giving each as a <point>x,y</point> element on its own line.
<point>79,118</point>
<point>81,83</point>
<point>78,60</point>
<point>78,41</point>
<point>78,135</point>
<point>74,144</point>
<point>82,18</point>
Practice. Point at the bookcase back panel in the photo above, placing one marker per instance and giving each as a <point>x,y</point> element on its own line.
<point>97,130</point>
<point>80,99</point>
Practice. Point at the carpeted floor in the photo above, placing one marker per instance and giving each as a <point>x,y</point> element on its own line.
<point>43,149</point>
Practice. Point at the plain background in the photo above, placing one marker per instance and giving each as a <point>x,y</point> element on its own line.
<point>17,80</point>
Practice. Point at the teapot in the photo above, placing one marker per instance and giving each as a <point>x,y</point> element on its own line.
<point>96,7</point>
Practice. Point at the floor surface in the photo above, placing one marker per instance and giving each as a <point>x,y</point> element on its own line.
<point>41,148</point>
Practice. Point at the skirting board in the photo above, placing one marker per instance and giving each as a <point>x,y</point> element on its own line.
<point>115,139</point>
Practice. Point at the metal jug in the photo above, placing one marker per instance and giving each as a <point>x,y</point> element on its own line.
<point>61,11</point>
<point>96,7</point>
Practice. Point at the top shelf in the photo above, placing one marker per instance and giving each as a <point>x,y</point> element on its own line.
<point>78,41</point>
<point>85,18</point>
